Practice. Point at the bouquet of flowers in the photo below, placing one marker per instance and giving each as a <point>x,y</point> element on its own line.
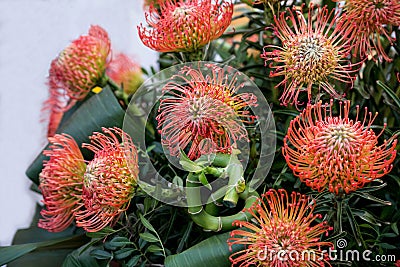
<point>268,137</point>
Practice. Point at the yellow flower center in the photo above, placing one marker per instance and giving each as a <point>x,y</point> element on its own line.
<point>310,59</point>
<point>339,136</point>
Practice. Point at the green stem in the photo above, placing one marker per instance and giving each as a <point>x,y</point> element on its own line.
<point>339,210</point>
<point>193,56</point>
<point>236,182</point>
<point>211,222</point>
<point>217,223</point>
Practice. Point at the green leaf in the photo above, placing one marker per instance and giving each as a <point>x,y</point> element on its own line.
<point>354,225</point>
<point>123,253</point>
<point>185,237</point>
<point>372,198</point>
<point>119,242</point>
<point>10,253</point>
<point>366,216</point>
<point>101,254</point>
<point>133,261</point>
<point>388,235</point>
<point>31,245</point>
<point>204,181</point>
<point>148,237</point>
<point>394,228</point>
<point>390,92</point>
<point>189,165</point>
<point>386,246</point>
<point>154,248</point>
<point>146,223</point>
<point>54,258</point>
<point>81,258</point>
<point>214,251</point>
<point>102,233</point>
<point>101,110</point>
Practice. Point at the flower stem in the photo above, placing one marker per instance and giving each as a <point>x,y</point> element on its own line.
<point>211,222</point>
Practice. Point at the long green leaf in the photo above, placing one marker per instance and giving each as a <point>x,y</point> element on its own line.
<point>33,244</point>
<point>101,110</point>
<point>213,251</point>
<point>80,258</point>
<point>390,92</point>
<point>10,253</point>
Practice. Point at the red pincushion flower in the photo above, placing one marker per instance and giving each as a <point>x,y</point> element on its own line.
<point>77,69</point>
<point>370,21</point>
<point>335,152</point>
<point>110,180</point>
<point>61,183</point>
<point>312,53</point>
<point>204,114</point>
<point>185,26</point>
<point>125,72</point>
<point>282,230</point>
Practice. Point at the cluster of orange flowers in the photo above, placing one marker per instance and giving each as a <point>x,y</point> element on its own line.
<point>326,151</point>
<point>86,63</point>
<point>93,194</point>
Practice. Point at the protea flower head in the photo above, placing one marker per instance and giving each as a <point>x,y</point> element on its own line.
<point>312,53</point>
<point>203,115</point>
<point>283,232</point>
<point>76,70</point>
<point>124,71</point>
<point>185,26</point>
<point>335,152</point>
<point>369,22</point>
<point>61,183</point>
<point>110,180</point>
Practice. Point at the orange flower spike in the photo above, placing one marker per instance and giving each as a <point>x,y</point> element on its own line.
<point>61,182</point>
<point>206,108</point>
<point>110,180</point>
<point>81,65</point>
<point>185,26</point>
<point>312,53</point>
<point>76,70</point>
<point>367,22</point>
<point>124,71</point>
<point>334,152</point>
<point>280,224</point>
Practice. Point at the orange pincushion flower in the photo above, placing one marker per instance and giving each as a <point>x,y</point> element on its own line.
<point>110,180</point>
<point>282,231</point>
<point>77,69</point>
<point>335,152</point>
<point>312,53</point>
<point>204,114</point>
<point>61,183</point>
<point>125,72</point>
<point>369,21</point>
<point>185,26</point>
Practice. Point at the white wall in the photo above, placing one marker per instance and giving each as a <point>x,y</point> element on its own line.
<point>32,33</point>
